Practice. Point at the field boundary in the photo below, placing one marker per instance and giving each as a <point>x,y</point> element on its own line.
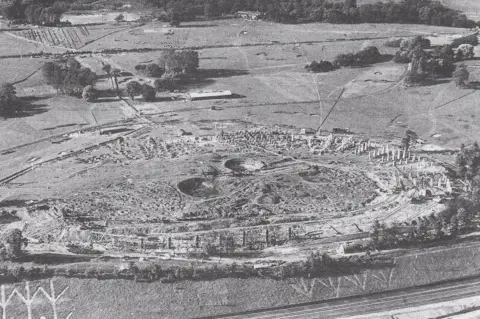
<point>139,50</point>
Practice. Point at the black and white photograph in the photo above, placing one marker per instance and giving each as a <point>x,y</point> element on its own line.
<point>239,159</point>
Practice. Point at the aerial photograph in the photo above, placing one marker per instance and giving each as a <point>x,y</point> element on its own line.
<point>239,159</point>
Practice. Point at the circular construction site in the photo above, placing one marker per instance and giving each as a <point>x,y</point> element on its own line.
<point>198,187</point>
<point>244,165</point>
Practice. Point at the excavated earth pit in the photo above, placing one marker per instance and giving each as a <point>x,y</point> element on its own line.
<point>198,187</point>
<point>244,164</point>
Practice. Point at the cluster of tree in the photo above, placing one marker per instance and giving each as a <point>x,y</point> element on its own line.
<point>468,162</point>
<point>322,66</point>
<point>454,220</point>
<point>365,56</point>
<point>8,99</point>
<point>40,12</point>
<point>185,61</point>
<point>152,70</point>
<point>134,88</point>
<point>471,39</point>
<point>426,63</point>
<point>406,11</point>
<point>68,76</point>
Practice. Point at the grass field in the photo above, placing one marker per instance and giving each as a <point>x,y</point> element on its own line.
<point>128,299</point>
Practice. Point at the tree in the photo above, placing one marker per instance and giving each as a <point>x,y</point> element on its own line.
<point>402,57</point>
<point>133,88</point>
<point>461,75</point>
<point>153,70</point>
<point>120,17</point>
<point>8,99</point>
<point>225,6</point>
<point>465,52</point>
<point>168,82</point>
<point>238,5</point>
<point>107,68</point>
<point>410,137</point>
<point>89,93</point>
<point>469,39</point>
<point>115,74</point>
<point>344,59</point>
<point>211,9</point>
<point>13,240</point>
<point>148,93</point>
<point>377,230</point>
<point>186,61</point>
<point>411,44</point>
<point>322,66</point>
<point>175,18</point>
<point>367,55</point>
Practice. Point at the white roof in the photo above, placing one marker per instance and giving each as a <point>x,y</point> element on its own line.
<point>194,95</point>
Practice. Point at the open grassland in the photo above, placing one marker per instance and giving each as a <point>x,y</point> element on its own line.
<point>15,70</point>
<point>11,45</point>
<point>241,32</point>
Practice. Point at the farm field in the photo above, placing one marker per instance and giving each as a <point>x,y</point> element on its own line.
<point>238,32</point>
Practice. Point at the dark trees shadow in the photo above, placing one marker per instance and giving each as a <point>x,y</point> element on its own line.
<point>25,107</point>
<point>198,26</point>
<point>220,73</point>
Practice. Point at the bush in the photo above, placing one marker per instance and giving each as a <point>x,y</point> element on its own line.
<point>13,240</point>
<point>402,57</point>
<point>394,43</point>
<point>89,93</point>
<point>367,55</point>
<point>461,75</point>
<point>322,66</point>
<point>465,52</point>
<point>133,88</point>
<point>344,59</point>
<point>148,93</point>
<point>411,44</point>
<point>153,70</point>
<point>168,82</point>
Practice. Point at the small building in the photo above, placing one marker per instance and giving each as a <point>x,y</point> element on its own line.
<point>206,95</point>
<point>251,15</point>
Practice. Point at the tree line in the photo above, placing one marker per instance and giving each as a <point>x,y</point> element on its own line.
<point>39,12</point>
<point>285,11</point>
<point>300,11</point>
<point>366,56</point>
